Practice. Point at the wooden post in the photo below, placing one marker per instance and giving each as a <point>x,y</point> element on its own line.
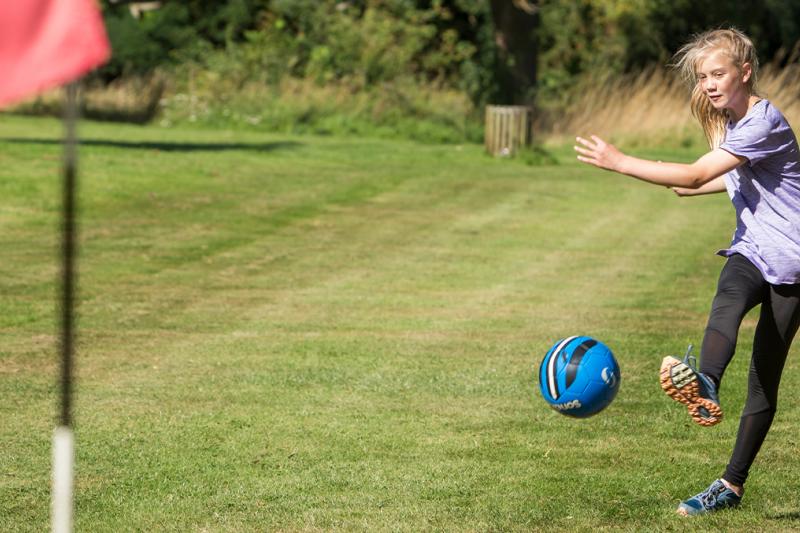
<point>507,129</point>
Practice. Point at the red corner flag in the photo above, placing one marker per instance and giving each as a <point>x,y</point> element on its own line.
<point>46,43</point>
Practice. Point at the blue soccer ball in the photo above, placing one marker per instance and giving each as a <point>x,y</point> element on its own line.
<point>579,376</point>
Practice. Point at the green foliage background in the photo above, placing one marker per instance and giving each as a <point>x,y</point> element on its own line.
<point>417,47</point>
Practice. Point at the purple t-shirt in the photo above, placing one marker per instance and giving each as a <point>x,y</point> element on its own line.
<point>766,193</point>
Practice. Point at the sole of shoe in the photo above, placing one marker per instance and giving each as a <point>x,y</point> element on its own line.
<point>682,510</point>
<point>681,384</point>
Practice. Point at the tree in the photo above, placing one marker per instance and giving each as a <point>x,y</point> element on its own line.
<point>515,25</point>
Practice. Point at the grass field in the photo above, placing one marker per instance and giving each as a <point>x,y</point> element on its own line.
<point>310,333</point>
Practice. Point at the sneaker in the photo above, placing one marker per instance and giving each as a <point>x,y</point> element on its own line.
<point>683,383</point>
<point>714,498</point>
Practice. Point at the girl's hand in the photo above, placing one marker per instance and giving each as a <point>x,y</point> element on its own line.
<point>713,186</point>
<point>599,153</point>
<point>682,191</point>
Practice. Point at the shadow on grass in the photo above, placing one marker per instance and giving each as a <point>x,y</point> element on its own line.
<point>166,146</point>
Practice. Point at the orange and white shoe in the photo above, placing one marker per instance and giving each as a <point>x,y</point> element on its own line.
<point>685,384</point>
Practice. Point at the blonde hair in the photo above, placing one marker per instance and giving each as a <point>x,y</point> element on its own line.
<point>739,49</point>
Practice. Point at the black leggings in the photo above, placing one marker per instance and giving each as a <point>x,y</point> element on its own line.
<point>741,287</point>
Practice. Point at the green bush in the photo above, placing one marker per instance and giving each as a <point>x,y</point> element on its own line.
<point>404,67</point>
<point>334,69</point>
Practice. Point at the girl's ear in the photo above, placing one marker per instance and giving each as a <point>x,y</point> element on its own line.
<point>747,72</point>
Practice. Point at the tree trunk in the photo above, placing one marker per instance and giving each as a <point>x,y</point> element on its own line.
<point>515,24</point>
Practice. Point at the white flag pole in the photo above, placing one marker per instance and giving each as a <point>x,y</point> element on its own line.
<point>63,462</point>
<point>63,438</point>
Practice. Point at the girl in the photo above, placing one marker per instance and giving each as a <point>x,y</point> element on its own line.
<point>754,156</point>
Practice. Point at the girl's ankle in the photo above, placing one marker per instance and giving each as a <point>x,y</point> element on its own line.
<point>737,489</point>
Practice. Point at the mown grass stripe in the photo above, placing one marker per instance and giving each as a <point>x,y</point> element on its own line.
<point>367,361</point>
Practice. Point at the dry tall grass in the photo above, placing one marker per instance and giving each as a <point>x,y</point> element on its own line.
<point>647,109</point>
<point>653,107</point>
<point>133,99</point>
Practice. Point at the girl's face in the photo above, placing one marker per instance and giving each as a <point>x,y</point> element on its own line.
<point>722,82</point>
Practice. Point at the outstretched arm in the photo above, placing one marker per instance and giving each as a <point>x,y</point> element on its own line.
<point>715,163</point>
<point>713,186</point>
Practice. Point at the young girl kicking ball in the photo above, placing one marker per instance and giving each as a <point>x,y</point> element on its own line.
<point>754,157</point>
